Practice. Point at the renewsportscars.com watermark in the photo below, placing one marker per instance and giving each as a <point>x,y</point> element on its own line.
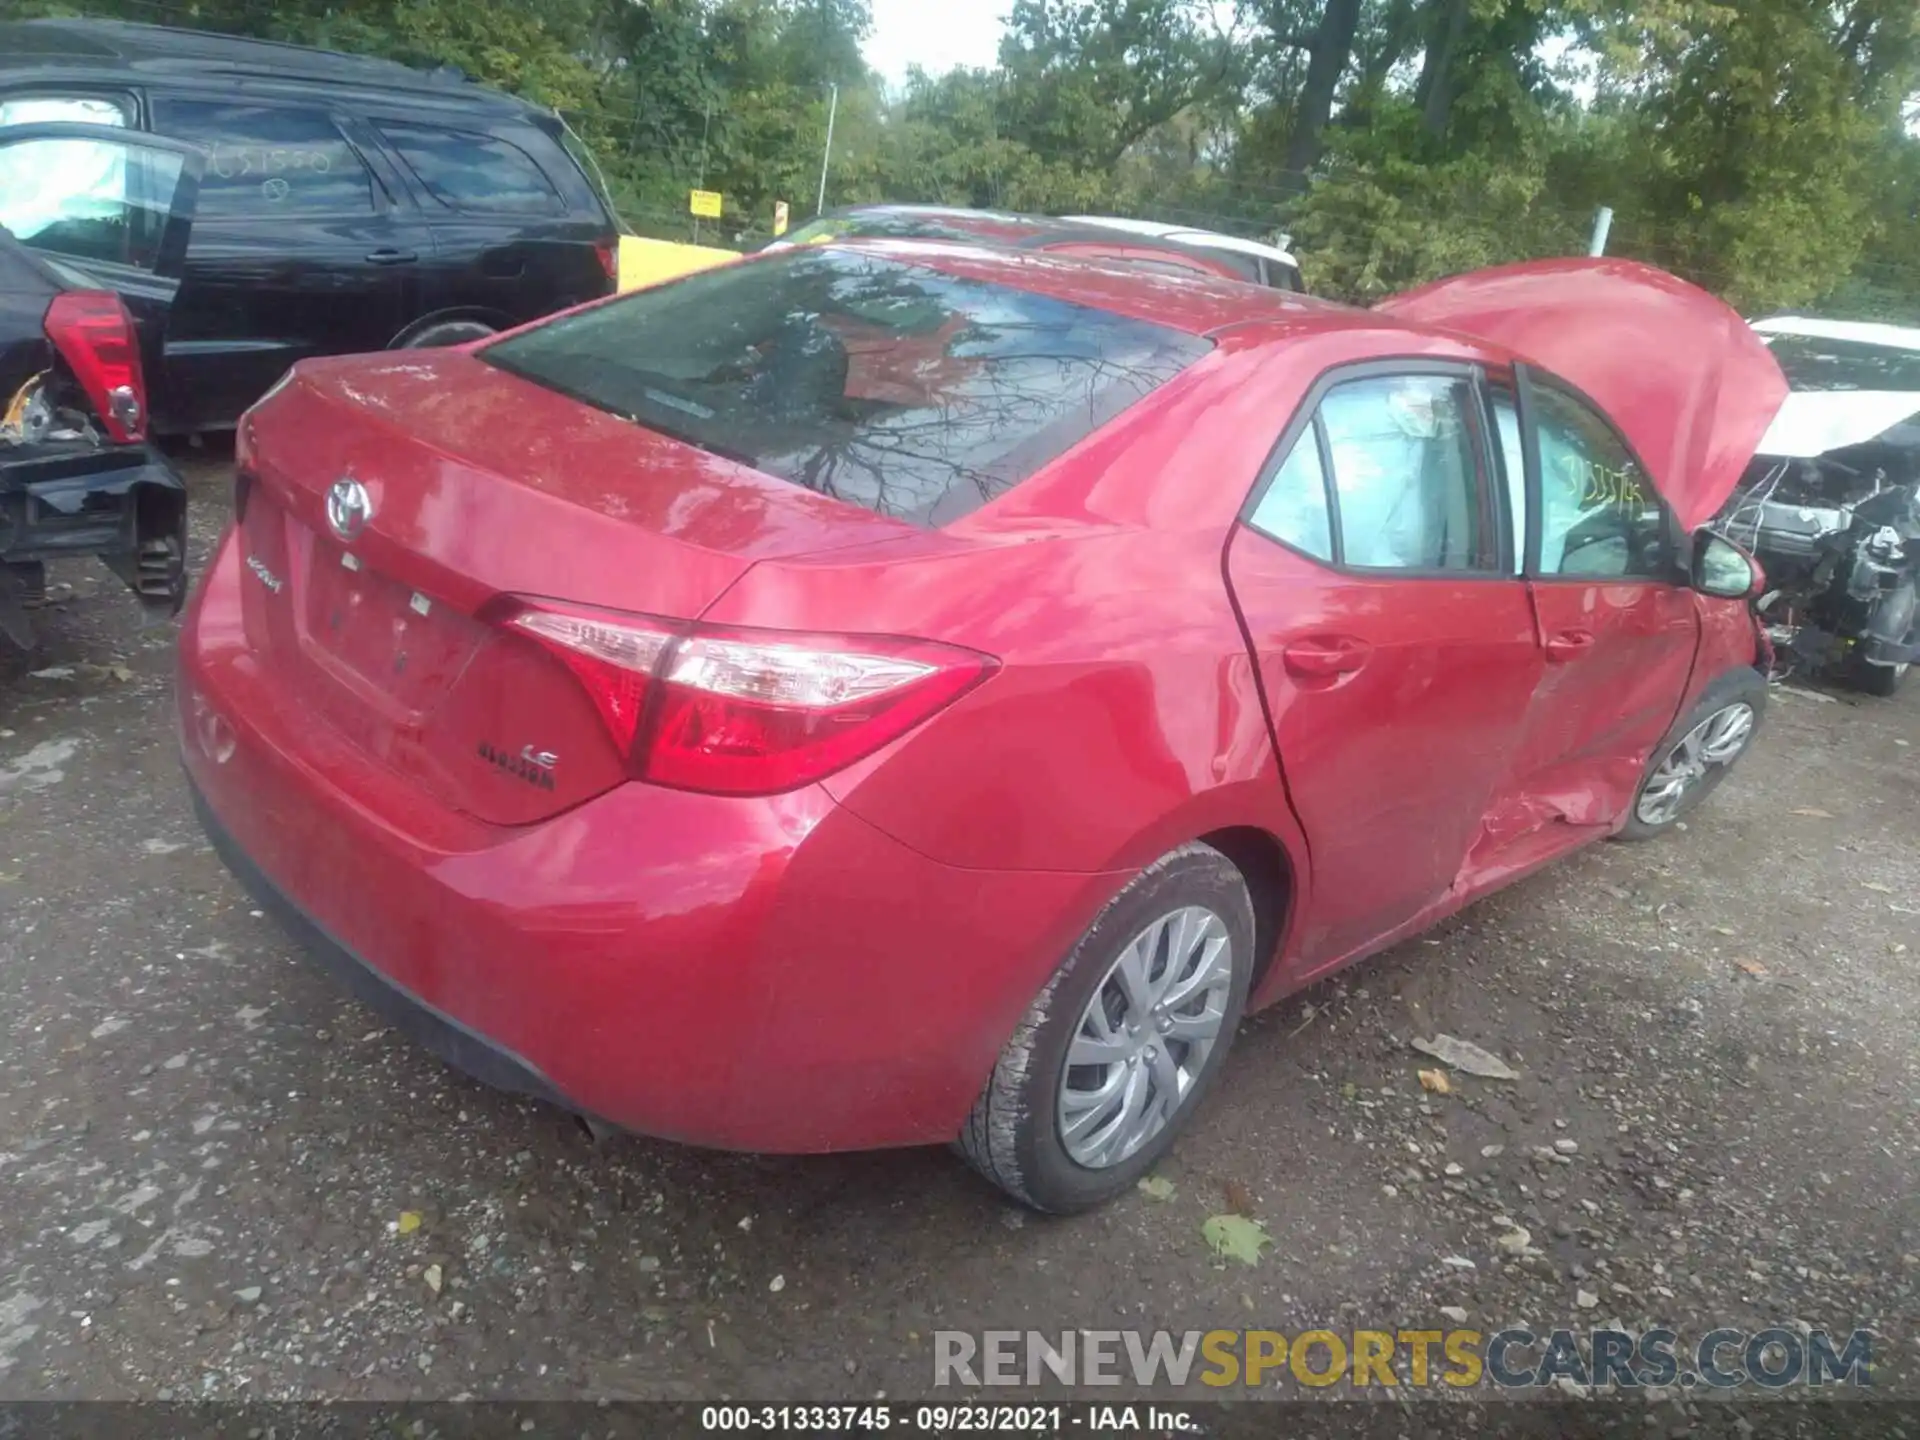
<point>1511,1359</point>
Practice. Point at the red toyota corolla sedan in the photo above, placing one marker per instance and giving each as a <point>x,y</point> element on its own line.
<point>887,694</point>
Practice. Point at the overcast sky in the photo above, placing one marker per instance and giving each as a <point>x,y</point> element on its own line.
<point>936,35</point>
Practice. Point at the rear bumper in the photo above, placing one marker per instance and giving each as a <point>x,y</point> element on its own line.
<point>461,1047</point>
<point>768,974</point>
<point>127,506</point>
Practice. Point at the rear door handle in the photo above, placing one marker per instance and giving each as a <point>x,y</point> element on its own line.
<point>1323,659</point>
<point>1569,645</point>
<point>388,255</point>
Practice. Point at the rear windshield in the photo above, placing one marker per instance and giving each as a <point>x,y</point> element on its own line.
<point>1814,362</point>
<point>886,385</point>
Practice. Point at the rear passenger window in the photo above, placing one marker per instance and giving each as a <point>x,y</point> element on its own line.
<point>1407,487</point>
<point>74,109</point>
<point>265,162</point>
<point>473,172</point>
<point>1294,509</point>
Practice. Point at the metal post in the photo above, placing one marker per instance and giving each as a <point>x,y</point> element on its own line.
<point>1602,228</point>
<point>705,133</point>
<point>833,111</point>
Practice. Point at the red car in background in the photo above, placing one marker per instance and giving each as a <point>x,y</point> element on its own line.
<point>892,693</point>
<point>1138,244</point>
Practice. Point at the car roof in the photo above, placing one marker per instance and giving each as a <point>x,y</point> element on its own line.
<point>1859,332</point>
<point>120,50</point>
<point>1188,235</point>
<point>995,224</point>
<point>1192,304</point>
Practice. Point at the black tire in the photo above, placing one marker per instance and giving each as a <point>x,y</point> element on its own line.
<point>447,332</point>
<point>1013,1136</point>
<point>1737,687</point>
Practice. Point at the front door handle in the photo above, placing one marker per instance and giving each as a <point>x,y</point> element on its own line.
<point>1569,645</point>
<point>1324,658</point>
<point>389,255</point>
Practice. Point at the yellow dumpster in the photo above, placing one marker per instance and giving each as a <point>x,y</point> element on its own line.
<point>648,262</point>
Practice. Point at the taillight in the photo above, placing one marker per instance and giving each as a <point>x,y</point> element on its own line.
<point>733,711</point>
<point>95,336</point>
<point>609,253</point>
<point>612,656</point>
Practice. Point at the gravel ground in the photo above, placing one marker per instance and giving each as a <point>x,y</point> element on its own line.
<point>220,1177</point>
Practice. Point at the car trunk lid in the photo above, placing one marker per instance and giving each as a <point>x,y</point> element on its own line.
<point>389,506</point>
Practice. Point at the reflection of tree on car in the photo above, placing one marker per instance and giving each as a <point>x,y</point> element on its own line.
<point>869,379</point>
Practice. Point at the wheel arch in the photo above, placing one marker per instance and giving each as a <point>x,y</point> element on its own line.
<point>1263,862</point>
<point>1251,823</point>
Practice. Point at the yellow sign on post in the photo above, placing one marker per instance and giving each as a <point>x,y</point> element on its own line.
<point>779,218</point>
<point>706,204</point>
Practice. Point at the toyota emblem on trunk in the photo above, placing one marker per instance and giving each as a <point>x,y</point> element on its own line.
<point>349,507</point>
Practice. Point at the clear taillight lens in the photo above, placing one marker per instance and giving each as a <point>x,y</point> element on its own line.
<point>733,711</point>
<point>613,657</point>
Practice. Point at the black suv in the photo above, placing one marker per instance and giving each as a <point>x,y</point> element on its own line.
<point>348,204</point>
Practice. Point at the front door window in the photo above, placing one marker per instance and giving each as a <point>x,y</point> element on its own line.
<point>1599,516</point>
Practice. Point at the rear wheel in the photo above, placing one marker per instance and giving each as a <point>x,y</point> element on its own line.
<point>1127,1037</point>
<point>449,332</point>
<point>1698,754</point>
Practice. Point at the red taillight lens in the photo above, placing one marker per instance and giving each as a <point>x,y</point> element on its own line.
<point>752,713</point>
<point>609,253</point>
<point>728,711</point>
<point>95,336</point>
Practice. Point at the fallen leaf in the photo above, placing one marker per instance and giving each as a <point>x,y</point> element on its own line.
<point>52,672</point>
<point>1239,1198</point>
<point>408,1222</point>
<point>1467,1057</point>
<point>433,1276</point>
<point>1234,1237</point>
<point>1812,813</point>
<point>1156,1187</point>
<point>120,673</point>
<point>1436,1081</point>
<point>1751,967</point>
<point>1877,887</point>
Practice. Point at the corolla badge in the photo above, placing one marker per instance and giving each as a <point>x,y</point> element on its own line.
<point>349,507</point>
<point>266,576</point>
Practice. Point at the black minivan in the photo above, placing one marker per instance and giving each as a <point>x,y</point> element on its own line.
<point>348,204</point>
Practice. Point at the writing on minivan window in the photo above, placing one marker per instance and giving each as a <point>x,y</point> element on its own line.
<point>237,162</point>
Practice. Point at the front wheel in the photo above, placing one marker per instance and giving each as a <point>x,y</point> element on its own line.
<point>1117,1051</point>
<point>1698,754</point>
